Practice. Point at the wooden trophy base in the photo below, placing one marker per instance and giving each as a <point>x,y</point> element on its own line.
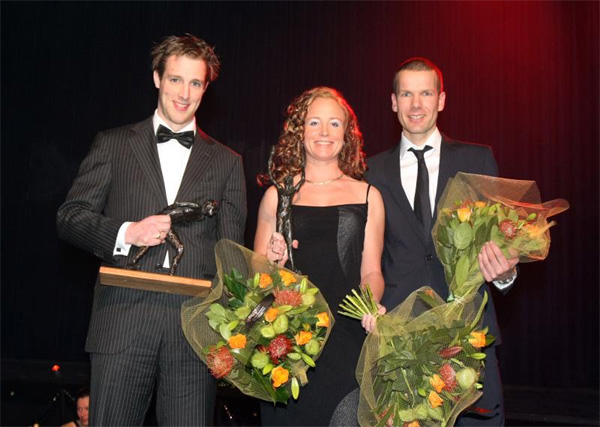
<point>154,282</point>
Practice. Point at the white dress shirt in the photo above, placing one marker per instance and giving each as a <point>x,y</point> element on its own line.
<point>173,159</point>
<point>409,170</point>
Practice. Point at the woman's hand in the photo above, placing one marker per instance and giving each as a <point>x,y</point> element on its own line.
<point>369,321</point>
<point>277,249</point>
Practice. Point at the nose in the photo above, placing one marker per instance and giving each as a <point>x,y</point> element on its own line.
<point>185,92</point>
<point>324,131</point>
<point>416,101</point>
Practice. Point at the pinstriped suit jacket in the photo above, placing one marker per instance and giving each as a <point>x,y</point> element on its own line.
<point>121,180</point>
<point>409,260</point>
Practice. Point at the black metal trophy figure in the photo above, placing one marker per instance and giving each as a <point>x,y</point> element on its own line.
<point>180,212</point>
<point>285,193</point>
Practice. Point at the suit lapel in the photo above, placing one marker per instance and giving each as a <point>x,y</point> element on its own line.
<point>198,163</point>
<point>447,169</point>
<point>392,171</point>
<point>143,144</point>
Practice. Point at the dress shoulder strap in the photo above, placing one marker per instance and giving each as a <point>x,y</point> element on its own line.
<point>367,199</point>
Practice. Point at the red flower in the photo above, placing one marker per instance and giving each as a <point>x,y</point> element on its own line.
<point>220,361</point>
<point>448,376</point>
<point>508,228</point>
<point>288,297</point>
<point>279,347</point>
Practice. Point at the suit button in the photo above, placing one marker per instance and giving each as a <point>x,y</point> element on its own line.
<point>428,257</point>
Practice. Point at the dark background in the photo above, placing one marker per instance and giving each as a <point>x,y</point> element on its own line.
<point>522,77</point>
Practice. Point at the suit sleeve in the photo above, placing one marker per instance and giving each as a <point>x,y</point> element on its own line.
<point>80,220</point>
<point>488,164</point>
<point>233,210</point>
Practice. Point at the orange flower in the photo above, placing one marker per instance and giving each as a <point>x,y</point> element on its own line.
<point>480,204</point>
<point>280,376</point>
<point>477,339</point>
<point>265,280</point>
<point>463,214</point>
<point>271,314</point>
<point>413,424</point>
<point>429,292</point>
<point>303,337</point>
<point>437,383</point>
<point>237,341</point>
<point>434,399</point>
<point>287,277</point>
<point>323,319</point>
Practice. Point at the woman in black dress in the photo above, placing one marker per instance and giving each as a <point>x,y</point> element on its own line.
<point>338,227</point>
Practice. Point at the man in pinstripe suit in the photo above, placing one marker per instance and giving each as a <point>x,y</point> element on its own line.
<point>135,340</point>
<point>409,260</point>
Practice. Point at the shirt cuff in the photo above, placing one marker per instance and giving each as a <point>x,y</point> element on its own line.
<point>122,248</point>
<point>504,284</point>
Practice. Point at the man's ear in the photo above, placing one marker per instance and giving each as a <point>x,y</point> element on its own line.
<point>441,101</point>
<point>394,103</point>
<point>156,79</point>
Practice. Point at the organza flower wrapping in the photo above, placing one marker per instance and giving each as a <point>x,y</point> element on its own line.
<point>261,321</point>
<point>475,209</point>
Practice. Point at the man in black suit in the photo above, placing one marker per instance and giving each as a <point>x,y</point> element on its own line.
<point>411,191</point>
<point>135,339</point>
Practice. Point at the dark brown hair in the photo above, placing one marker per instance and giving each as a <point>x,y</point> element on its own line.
<point>189,46</point>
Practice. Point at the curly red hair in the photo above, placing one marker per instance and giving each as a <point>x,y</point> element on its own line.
<point>289,150</point>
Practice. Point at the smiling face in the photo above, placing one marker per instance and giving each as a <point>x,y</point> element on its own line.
<point>180,90</point>
<point>83,407</point>
<point>417,104</point>
<point>324,128</point>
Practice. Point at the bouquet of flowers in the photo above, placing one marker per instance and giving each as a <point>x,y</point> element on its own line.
<point>261,328</point>
<point>475,209</point>
<point>423,363</point>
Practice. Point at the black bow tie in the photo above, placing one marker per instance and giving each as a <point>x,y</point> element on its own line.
<point>164,134</point>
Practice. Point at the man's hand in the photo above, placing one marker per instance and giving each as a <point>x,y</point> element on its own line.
<point>277,249</point>
<point>494,265</point>
<point>150,231</point>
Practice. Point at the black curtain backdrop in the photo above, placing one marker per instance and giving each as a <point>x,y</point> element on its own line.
<point>522,77</point>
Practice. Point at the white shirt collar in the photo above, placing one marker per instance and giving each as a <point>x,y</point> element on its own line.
<point>157,120</point>
<point>434,141</point>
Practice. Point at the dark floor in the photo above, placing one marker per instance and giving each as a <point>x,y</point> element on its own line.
<point>32,393</point>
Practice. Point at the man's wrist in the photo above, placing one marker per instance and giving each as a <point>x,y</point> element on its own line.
<point>509,278</point>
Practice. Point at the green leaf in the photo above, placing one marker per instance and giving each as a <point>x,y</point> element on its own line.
<point>294,356</point>
<point>531,216</point>
<point>268,368</point>
<point>233,324</point>
<point>225,331</point>
<point>218,310</point>
<point>463,236</point>
<point>462,270</point>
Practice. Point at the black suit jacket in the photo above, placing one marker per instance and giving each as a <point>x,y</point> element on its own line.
<point>121,180</point>
<point>409,260</point>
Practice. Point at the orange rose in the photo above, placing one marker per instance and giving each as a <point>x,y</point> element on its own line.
<point>271,314</point>
<point>287,277</point>
<point>480,204</point>
<point>464,214</point>
<point>323,319</point>
<point>265,280</point>
<point>477,339</point>
<point>237,341</point>
<point>437,383</point>
<point>303,337</point>
<point>280,376</point>
<point>413,424</point>
<point>434,399</point>
<point>429,292</point>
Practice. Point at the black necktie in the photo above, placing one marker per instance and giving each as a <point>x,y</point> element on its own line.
<point>164,134</point>
<point>422,204</point>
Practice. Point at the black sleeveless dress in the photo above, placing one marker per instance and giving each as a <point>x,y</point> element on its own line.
<point>330,252</point>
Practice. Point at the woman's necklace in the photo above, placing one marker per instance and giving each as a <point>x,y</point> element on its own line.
<point>324,182</point>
